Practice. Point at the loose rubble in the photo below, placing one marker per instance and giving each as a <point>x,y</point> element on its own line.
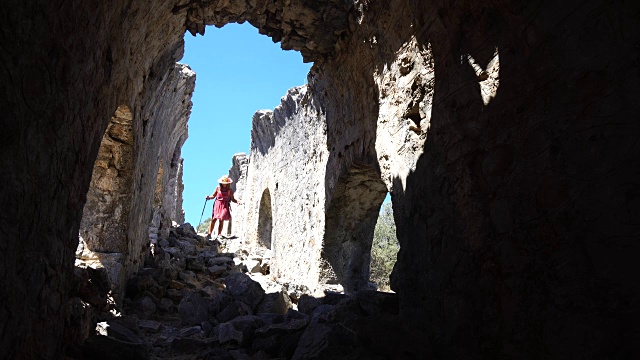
<point>201,299</point>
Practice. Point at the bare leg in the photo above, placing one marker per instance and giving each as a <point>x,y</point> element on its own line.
<point>229,228</point>
<point>220,224</point>
<point>211,227</point>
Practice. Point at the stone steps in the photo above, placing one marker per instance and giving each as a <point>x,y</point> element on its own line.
<point>200,299</point>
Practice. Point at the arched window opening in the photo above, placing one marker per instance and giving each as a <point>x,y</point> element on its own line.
<point>265,220</point>
<point>384,248</point>
<point>105,216</point>
<point>350,222</point>
<point>104,226</point>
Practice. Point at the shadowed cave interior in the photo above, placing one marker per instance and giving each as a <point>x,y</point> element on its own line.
<point>506,134</point>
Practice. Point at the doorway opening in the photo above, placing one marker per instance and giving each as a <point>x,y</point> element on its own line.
<point>265,220</point>
<point>350,222</point>
<point>238,72</point>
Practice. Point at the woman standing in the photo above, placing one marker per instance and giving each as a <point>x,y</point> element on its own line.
<point>222,206</point>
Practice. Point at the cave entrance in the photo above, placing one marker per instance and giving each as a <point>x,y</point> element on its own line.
<point>265,220</point>
<point>238,72</point>
<point>350,222</point>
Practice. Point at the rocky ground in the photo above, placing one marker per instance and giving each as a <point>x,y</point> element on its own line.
<point>202,299</point>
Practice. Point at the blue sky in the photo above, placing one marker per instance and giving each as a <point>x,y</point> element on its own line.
<point>238,71</point>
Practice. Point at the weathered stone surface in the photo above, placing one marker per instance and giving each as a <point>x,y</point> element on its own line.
<point>144,305</point>
<point>296,154</point>
<point>277,303</point>
<point>139,284</point>
<point>118,331</point>
<point>313,342</point>
<point>233,310</point>
<point>313,29</point>
<point>244,289</point>
<point>307,303</point>
<point>195,263</point>
<point>247,325</point>
<point>193,309</point>
<point>228,333</point>
<point>282,328</point>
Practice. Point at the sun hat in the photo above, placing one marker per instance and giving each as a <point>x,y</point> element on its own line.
<point>225,180</point>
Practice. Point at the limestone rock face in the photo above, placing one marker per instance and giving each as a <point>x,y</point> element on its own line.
<point>238,172</point>
<point>109,200</point>
<point>311,27</point>
<point>117,215</point>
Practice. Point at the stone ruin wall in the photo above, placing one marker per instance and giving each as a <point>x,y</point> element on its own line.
<point>238,172</point>
<point>286,166</point>
<point>521,209</point>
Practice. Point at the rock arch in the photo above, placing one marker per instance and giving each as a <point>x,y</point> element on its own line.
<point>105,218</point>
<point>265,220</point>
<point>350,221</point>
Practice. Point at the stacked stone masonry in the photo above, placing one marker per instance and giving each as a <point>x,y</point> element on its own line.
<point>505,131</point>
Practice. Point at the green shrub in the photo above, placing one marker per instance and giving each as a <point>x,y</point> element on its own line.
<point>204,227</point>
<point>384,249</point>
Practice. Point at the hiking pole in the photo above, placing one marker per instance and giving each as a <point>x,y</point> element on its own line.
<point>205,205</point>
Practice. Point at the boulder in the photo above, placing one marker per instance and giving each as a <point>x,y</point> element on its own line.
<point>118,331</point>
<point>186,247</point>
<point>220,260</point>
<point>227,333</point>
<point>143,306</point>
<point>244,289</point>
<point>195,263</point>
<point>314,343</point>
<point>374,302</point>
<point>247,325</point>
<point>216,270</point>
<point>187,276</point>
<point>187,230</point>
<point>174,295</point>
<point>322,313</point>
<point>165,305</point>
<point>216,301</point>
<point>92,286</point>
<point>192,330</point>
<point>295,315</point>
<point>192,309</point>
<point>290,327</point>
<point>271,318</point>
<point>252,266</point>
<point>165,273</point>
<point>139,284</point>
<point>307,303</point>
<point>233,310</point>
<point>277,303</point>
